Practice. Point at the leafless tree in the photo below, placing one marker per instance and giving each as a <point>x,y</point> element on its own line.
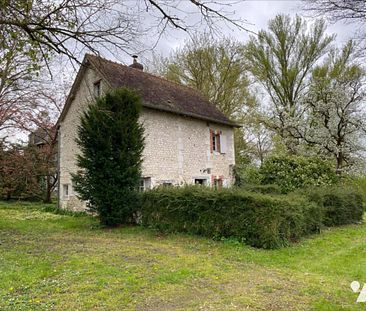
<point>25,90</point>
<point>348,11</point>
<point>64,26</point>
<point>16,88</point>
<point>337,10</point>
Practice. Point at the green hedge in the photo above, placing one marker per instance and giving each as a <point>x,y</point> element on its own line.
<point>264,189</point>
<point>256,219</point>
<point>341,205</point>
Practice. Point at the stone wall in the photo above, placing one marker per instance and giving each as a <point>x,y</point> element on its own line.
<point>177,148</point>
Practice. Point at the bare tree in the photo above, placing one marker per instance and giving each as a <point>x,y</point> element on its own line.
<point>39,122</point>
<point>43,148</point>
<point>25,89</point>
<point>15,83</point>
<point>348,11</point>
<point>337,10</point>
<point>64,26</point>
<point>259,141</point>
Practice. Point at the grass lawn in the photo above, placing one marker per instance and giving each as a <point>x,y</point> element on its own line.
<point>60,262</point>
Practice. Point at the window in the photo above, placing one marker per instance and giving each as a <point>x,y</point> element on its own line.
<point>145,183</point>
<point>96,88</point>
<point>215,141</point>
<point>167,184</point>
<point>65,191</point>
<point>218,142</point>
<point>218,183</point>
<point>200,181</point>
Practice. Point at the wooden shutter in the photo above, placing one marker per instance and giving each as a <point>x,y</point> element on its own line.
<point>223,143</point>
<point>218,143</point>
<point>211,140</point>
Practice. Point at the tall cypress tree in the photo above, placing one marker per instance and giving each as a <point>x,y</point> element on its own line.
<point>111,141</point>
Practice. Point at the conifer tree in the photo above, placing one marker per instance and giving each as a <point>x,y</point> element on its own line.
<point>111,141</point>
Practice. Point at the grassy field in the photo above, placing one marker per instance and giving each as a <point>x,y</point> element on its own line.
<point>60,262</point>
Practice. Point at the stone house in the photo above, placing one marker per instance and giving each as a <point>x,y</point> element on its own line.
<point>187,140</point>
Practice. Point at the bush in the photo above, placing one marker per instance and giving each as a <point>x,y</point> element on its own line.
<point>264,189</point>
<point>256,219</point>
<point>359,183</point>
<point>296,172</point>
<point>248,174</point>
<point>340,205</point>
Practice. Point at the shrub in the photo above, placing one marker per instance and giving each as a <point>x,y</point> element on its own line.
<point>256,219</point>
<point>359,183</point>
<point>295,172</point>
<point>249,174</point>
<point>110,138</point>
<point>340,205</point>
<point>264,189</point>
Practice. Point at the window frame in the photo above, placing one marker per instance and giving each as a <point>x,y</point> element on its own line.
<point>215,137</point>
<point>66,191</point>
<point>145,184</point>
<point>97,86</point>
<point>200,181</point>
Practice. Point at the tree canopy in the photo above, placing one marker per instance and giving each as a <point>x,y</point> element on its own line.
<point>335,107</point>
<point>281,59</point>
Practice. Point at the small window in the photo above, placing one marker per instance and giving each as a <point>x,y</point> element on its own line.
<point>215,141</point>
<point>65,191</point>
<point>145,183</point>
<point>200,181</point>
<point>96,89</point>
<point>167,184</point>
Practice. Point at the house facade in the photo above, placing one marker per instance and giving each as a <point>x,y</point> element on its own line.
<point>187,140</point>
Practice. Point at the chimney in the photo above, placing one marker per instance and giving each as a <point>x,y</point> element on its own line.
<point>136,64</point>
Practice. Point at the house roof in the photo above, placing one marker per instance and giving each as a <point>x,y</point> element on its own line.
<point>157,93</point>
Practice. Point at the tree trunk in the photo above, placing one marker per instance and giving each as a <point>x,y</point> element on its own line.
<point>47,198</point>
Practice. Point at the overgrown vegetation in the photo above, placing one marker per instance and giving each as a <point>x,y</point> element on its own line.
<point>111,143</point>
<point>296,172</point>
<point>27,172</point>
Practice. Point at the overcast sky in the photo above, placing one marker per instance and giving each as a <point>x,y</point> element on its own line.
<point>257,14</point>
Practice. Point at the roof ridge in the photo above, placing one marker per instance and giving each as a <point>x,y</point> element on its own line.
<point>161,94</point>
<point>150,74</point>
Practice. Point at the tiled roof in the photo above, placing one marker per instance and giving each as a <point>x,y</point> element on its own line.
<point>159,93</point>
